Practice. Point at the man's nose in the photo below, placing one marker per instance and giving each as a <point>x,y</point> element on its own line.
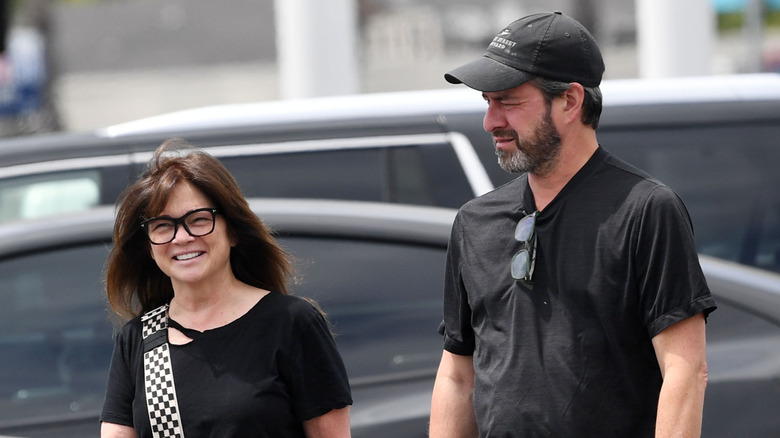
<point>494,118</point>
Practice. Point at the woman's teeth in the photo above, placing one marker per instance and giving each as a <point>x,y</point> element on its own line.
<point>188,256</point>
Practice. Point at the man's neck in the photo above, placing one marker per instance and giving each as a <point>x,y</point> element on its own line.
<point>573,156</point>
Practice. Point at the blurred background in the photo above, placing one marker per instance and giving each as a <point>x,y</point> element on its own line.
<point>76,65</point>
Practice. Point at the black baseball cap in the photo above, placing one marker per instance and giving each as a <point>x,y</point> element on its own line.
<point>549,45</point>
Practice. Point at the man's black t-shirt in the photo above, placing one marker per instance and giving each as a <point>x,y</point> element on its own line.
<point>571,355</point>
<point>261,375</point>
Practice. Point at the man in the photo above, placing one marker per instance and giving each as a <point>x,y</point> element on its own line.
<point>574,301</point>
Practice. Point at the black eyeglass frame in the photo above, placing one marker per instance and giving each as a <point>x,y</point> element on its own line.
<point>529,248</point>
<point>183,221</point>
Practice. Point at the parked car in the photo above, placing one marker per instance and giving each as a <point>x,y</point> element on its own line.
<point>377,269</point>
<point>713,139</point>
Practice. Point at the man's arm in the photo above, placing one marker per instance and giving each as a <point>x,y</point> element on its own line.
<point>681,353</point>
<point>452,408</point>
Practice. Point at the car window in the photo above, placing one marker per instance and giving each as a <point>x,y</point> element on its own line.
<point>726,174</point>
<point>743,350</point>
<point>429,175</point>
<point>383,299</point>
<point>426,175</point>
<point>39,195</point>
<point>55,341</point>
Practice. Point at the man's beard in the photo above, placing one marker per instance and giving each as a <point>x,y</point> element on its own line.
<point>537,155</point>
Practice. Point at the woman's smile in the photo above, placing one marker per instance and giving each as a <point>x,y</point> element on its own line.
<point>188,256</point>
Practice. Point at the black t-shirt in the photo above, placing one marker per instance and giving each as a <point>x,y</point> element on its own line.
<point>571,355</point>
<point>261,375</point>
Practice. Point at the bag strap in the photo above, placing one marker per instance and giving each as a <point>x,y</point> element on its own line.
<point>161,402</point>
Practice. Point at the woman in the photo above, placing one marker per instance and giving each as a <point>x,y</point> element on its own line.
<point>246,358</point>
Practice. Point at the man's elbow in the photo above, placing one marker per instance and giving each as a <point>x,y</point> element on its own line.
<point>703,374</point>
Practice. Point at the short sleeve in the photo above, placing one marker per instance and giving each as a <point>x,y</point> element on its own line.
<point>316,372</point>
<point>456,323</point>
<point>120,390</point>
<point>671,282</point>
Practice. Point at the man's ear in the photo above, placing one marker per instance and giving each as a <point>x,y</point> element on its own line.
<point>574,98</point>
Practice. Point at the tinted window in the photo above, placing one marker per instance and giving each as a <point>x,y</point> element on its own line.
<point>40,195</point>
<point>726,174</point>
<point>383,299</point>
<point>427,175</point>
<point>57,192</point>
<point>55,341</point>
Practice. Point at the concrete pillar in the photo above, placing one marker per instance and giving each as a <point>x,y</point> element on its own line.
<point>316,48</point>
<point>675,37</point>
<point>754,36</point>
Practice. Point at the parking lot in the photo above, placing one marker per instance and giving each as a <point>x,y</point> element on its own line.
<point>403,148</point>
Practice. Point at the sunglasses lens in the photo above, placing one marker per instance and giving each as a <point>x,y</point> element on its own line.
<point>525,228</point>
<point>519,265</point>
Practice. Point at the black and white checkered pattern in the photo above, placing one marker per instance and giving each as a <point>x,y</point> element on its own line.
<point>158,380</point>
<point>154,321</point>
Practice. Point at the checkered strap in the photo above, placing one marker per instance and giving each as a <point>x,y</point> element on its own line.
<point>158,376</point>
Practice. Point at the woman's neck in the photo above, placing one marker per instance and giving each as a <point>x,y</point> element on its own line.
<point>209,306</point>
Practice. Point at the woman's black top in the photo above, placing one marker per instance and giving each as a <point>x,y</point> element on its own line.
<point>261,375</point>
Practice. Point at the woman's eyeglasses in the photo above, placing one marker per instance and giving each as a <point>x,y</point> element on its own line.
<point>197,223</point>
<point>524,261</point>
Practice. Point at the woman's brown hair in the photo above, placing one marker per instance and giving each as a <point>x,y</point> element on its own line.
<point>134,283</point>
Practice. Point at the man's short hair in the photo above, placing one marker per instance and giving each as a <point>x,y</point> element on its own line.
<point>591,105</point>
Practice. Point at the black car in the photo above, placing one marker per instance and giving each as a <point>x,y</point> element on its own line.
<point>377,269</point>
